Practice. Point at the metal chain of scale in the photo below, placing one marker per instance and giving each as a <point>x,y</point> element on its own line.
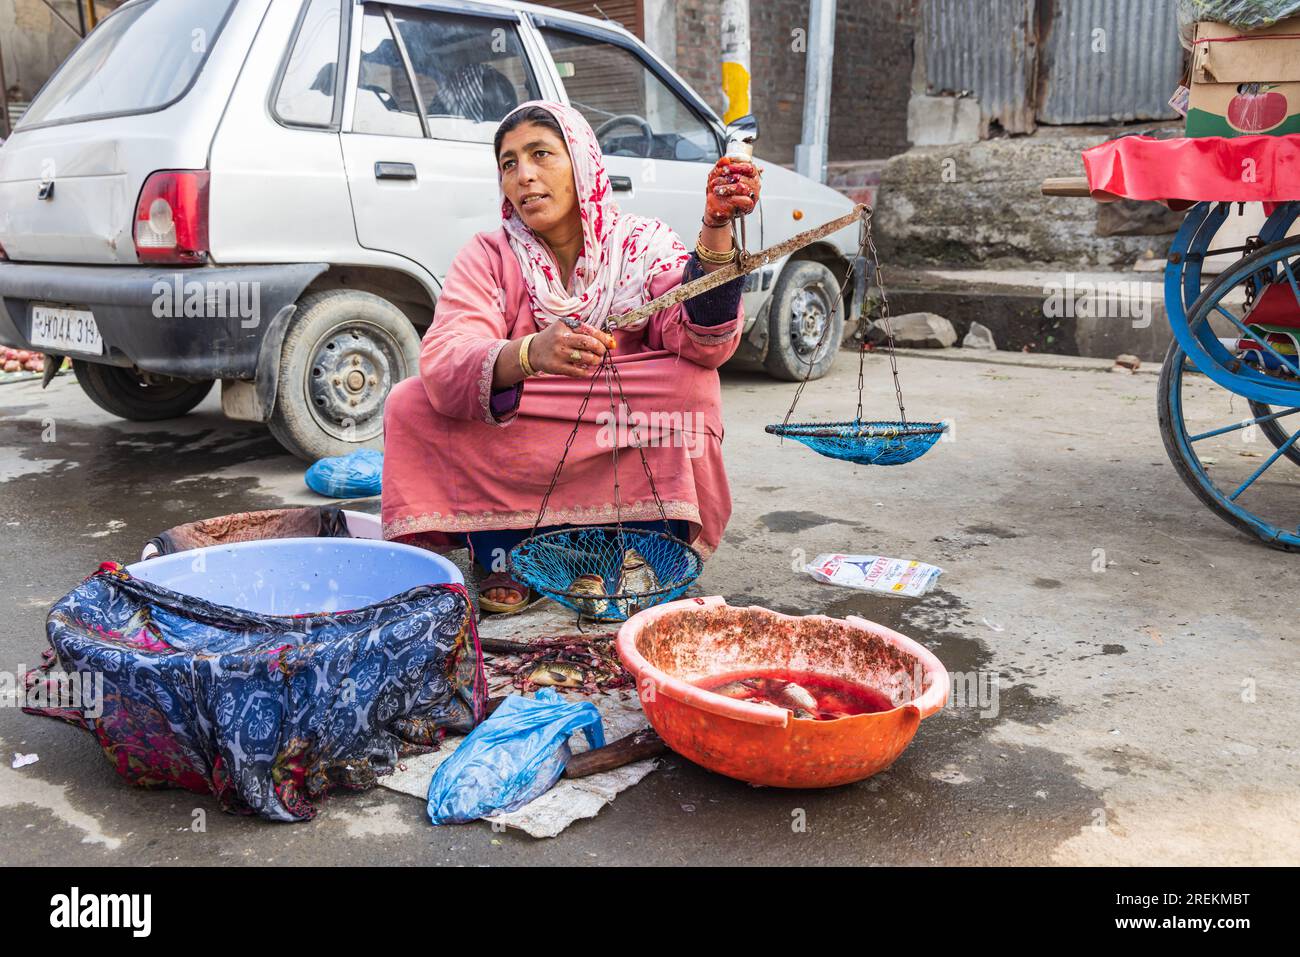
<point>607,371</point>
<point>866,250</point>
<point>612,378</point>
<point>604,572</point>
<point>558,562</point>
<point>865,443</point>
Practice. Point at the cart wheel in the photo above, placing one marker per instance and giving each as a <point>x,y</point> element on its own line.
<point>1275,426</point>
<point>1210,438</point>
<point>1213,461</point>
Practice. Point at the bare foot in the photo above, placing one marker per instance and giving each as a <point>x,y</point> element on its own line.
<point>503,591</point>
<point>506,596</point>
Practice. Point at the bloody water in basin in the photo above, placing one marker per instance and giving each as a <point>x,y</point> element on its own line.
<point>835,697</point>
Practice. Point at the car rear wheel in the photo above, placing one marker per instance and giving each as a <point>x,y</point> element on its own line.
<point>138,396</point>
<point>344,351</point>
<point>805,323</point>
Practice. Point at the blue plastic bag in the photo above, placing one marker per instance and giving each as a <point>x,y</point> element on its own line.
<point>511,758</point>
<point>355,475</point>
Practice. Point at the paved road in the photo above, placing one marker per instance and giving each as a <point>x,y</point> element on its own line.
<point>1145,711</point>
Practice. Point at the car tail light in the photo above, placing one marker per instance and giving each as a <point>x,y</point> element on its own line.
<point>171,218</point>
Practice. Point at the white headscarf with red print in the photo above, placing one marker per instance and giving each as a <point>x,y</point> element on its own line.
<point>621,252</point>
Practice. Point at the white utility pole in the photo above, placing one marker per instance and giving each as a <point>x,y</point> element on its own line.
<point>735,58</point>
<point>810,155</point>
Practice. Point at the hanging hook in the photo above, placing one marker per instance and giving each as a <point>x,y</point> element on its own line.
<point>738,240</point>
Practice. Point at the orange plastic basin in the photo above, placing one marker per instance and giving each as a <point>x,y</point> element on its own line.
<point>670,646</point>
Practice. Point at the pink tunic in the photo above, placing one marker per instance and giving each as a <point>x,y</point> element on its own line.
<point>452,466</point>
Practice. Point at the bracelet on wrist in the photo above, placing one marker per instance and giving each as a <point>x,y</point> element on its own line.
<point>714,258</point>
<point>524,364</point>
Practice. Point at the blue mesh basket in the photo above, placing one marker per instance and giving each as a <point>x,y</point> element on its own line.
<point>606,572</point>
<point>866,443</point>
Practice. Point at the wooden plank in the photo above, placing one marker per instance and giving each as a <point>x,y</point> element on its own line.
<point>636,746</point>
<point>1067,186</point>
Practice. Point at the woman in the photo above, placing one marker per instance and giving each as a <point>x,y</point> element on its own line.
<point>472,442</point>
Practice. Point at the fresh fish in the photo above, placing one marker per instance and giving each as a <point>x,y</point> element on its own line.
<point>774,693</point>
<point>637,577</point>
<point>790,696</point>
<point>584,585</point>
<point>740,690</point>
<point>557,674</point>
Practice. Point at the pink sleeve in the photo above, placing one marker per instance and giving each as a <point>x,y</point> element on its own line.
<point>672,329</point>
<point>461,345</point>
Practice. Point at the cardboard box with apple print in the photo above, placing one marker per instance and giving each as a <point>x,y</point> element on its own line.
<point>1245,82</point>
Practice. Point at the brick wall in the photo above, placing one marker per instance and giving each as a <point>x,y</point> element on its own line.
<point>871,75</point>
<point>699,42</point>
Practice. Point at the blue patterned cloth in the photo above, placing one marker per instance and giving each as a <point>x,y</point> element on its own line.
<point>264,711</point>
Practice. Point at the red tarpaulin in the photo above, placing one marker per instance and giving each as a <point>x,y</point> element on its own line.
<point>1185,171</point>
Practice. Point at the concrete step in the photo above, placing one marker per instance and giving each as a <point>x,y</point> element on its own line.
<point>1092,314</point>
<point>1026,360</point>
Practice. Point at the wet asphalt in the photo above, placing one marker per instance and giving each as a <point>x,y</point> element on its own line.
<point>1119,731</point>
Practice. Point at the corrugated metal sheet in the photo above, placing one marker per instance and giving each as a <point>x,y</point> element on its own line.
<point>1055,61</point>
<point>1104,61</point>
<point>989,48</point>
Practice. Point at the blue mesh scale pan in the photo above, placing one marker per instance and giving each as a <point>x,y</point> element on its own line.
<point>865,443</point>
<point>606,572</point>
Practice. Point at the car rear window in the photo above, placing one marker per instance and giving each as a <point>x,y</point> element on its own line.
<point>306,93</point>
<point>142,58</point>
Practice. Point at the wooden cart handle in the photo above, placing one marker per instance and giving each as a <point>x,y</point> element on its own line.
<point>1067,186</point>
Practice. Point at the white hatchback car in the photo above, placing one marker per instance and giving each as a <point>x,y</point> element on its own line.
<point>268,192</point>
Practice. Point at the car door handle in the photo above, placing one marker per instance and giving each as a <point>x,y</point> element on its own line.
<point>395,171</point>
<point>621,183</point>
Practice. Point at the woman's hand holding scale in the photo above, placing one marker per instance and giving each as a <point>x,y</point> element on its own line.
<point>575,353</point>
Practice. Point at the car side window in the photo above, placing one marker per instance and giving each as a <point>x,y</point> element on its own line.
<point>385,101</point>
<point>632,110</point>
<point>306,93</point>
<point>471,71</point>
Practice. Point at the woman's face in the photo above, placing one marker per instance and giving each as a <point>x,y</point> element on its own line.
<point>537,176</point>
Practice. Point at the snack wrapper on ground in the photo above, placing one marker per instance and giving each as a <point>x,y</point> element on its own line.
<point>886,576</point>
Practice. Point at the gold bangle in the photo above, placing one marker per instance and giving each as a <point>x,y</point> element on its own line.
<point>524,364</point>
<point>714,258</point>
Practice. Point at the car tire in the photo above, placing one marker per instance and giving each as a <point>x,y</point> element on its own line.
<point>805,301</point>
<point>138,396</point>
<point>344,351</point>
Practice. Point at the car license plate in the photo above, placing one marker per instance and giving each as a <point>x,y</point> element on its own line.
<point>61,330</point>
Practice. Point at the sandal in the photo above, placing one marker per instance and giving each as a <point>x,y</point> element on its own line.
<point>504,581</point>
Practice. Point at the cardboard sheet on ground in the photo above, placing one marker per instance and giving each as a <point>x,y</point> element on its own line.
<point>569,800</point>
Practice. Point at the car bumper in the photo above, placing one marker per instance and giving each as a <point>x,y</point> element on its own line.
<point>205,322</point>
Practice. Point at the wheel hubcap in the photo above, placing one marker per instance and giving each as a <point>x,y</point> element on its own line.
<point>809,318</point>
<point>350,374</point>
